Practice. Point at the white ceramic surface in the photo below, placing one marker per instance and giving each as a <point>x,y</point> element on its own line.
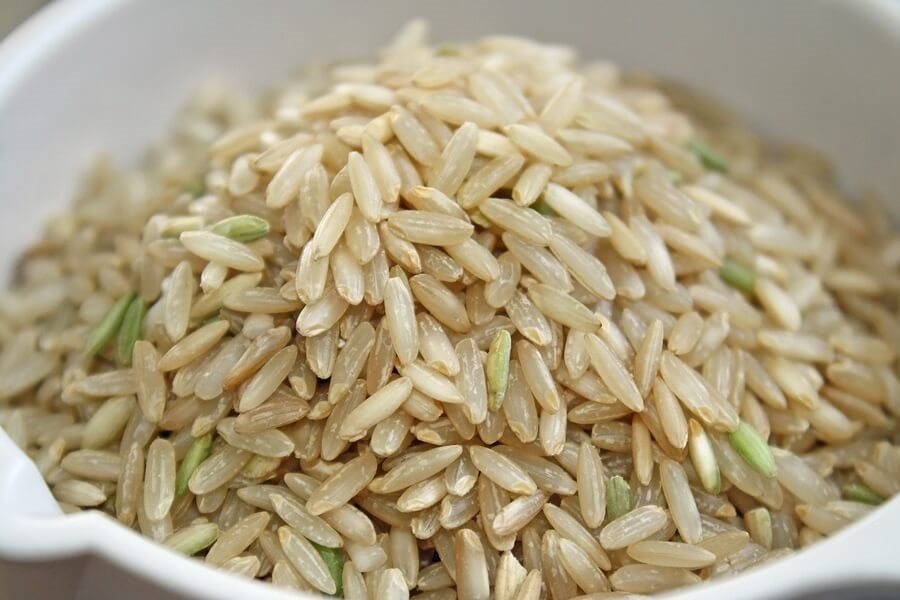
<point>85,75</point>
<point>13,12</point>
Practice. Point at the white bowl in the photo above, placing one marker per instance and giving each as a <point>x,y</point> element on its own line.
<point>107,74</point>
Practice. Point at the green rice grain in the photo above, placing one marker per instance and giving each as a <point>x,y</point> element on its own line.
<point>194,188</point>
<point>131,329</point>
<point>709,157</point>
<point>196,454</point>
<point>753,449</point>
<point>108,325</point>
<point>497,368</point>
<point>737,275</point>
<point>242,228</point>
<point>334,560</point>
<point>618,497</point>
<point>860,492</point>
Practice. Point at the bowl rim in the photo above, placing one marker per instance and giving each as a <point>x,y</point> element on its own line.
<point>28,538</point>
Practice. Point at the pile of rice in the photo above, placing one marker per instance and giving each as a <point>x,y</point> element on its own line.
<point>472,321</point>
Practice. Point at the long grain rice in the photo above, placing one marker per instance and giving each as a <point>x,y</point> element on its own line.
<point>559,328</point>
<point>489,179</point>
<point>219,249</point>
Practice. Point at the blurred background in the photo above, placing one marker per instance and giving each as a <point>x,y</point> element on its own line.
<point>13,12</point>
